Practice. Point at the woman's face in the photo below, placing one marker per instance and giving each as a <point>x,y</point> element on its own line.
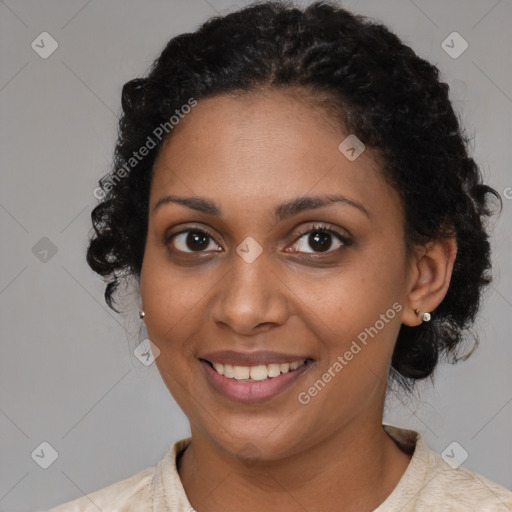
<point>238,275</point>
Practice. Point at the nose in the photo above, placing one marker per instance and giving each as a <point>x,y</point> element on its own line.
<point>251,298</point>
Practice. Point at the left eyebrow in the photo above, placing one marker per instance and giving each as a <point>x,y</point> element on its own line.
<point>303,203</point>
<point>282,211</point>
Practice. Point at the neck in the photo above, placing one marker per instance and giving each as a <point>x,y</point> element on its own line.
<point>355,469</point>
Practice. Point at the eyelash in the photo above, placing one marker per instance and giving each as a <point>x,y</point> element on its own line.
<point>319,228</point>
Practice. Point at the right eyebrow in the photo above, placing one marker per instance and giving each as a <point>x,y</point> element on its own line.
<point>197,203</point>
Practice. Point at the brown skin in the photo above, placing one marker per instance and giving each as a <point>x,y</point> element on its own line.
<point>248,154</point>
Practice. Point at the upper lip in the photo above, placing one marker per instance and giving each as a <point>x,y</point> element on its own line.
<point>251,358</point>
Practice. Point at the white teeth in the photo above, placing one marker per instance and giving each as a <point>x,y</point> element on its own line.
<point>241,372</point>
<point>219,367</point>
<point>274,370</point>
<point>260,372</point>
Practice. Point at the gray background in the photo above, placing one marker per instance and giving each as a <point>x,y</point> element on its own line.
<point>68,375</point>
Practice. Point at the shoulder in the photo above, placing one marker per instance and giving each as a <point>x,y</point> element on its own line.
<point>156,486</point>
<point>439,484</point>
<point>462,489</point>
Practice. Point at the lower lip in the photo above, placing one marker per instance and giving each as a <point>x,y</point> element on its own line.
<point>256,391</point>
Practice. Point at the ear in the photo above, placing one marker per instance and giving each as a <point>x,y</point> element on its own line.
<point>429,278</point>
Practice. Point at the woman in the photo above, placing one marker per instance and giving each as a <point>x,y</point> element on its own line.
<point>294,196</point>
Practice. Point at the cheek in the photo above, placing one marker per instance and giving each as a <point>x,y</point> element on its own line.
<point>358,292</point>
<point>170,297</point>
<point>172,306</point>
<point>359,314</point>
<point>357,349</point>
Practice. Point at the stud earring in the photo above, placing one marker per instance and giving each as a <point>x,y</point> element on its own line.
<point>142,314</point>
<point>425,317</point>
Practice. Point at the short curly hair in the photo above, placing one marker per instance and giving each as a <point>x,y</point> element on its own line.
<point>390,98</point>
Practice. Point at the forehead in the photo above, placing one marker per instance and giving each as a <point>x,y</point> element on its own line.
<point>264,148</point>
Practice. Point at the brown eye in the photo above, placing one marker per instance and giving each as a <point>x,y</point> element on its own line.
<point>192,240</point>
<point>320,239</point>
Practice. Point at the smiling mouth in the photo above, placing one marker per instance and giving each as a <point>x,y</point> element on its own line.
<point>256,373</point>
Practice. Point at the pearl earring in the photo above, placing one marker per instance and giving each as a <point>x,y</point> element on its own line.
<point>425,317</point>
<point>142,314</point>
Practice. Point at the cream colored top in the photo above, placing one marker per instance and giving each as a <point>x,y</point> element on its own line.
<point>429,484</point>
